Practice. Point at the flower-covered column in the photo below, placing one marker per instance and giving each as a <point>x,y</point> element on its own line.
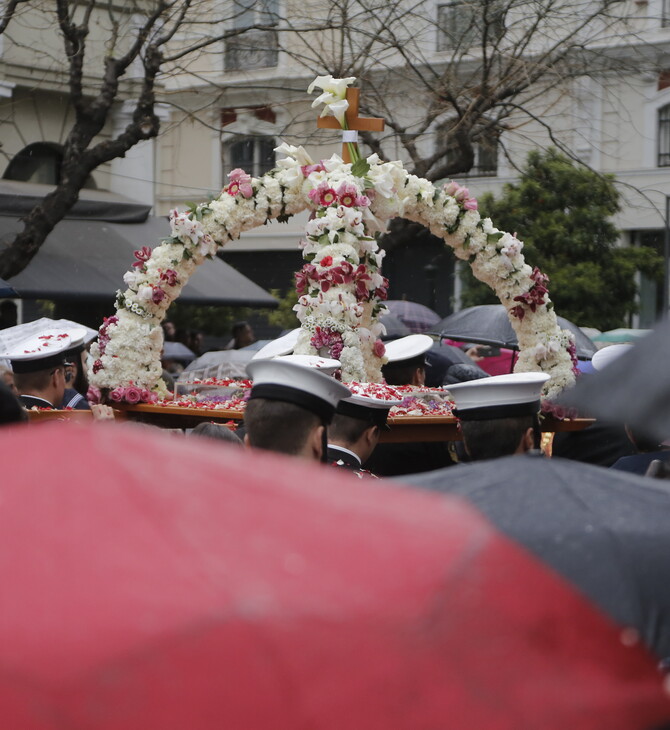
<point>341,288</point>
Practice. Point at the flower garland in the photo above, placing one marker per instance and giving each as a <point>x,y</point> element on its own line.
<point>341,286</point>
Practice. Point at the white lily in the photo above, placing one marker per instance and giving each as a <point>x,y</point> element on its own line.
<point>336,87</point>
<point>333,97</point>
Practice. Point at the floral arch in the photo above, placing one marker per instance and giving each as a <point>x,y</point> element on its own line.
<point>341,287</point>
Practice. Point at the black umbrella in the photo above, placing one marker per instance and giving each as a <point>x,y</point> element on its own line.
<point>394,327</point>
<point>488,324</point>
<point>6,289</point>
<point>633,389</point>
<point>605,531</point>
<point>449,364</point>
<point>418,317</point>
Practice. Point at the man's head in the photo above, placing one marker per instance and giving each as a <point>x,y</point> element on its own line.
<point>499,415</point>
<point>38,363</point>
<point>243,334</point>
<point>407,360</point>
<point>289,407</point>
<point>358,423</point>
<point>47,384</point>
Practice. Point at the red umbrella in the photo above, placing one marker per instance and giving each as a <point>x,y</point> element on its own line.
<point>149,582</point>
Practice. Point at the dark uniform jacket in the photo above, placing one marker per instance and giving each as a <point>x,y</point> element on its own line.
<point>30,401</point>
<point>346,460</point>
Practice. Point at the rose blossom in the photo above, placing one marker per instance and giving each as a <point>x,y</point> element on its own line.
<point>116,395</point>
<point>133,395</point>
<point>379,348</point>
<point>93,394</point>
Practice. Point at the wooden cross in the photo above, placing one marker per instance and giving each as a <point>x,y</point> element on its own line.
<point>363,124</point>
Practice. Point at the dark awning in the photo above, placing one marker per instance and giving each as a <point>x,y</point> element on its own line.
<point>86,259</point>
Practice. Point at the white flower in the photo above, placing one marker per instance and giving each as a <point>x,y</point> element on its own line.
<point>294,156</point>
<point>337,88</point>
<point>132,350</point>
<point>333,97</point>
<point>145,292</point>
<point>131,278</point>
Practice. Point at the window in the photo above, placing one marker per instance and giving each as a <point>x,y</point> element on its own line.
<point>39,162</point>
<point>253,48</point>
<point>467,23</point>
<point>663,136</point>
<point>665,16</point>
<point>254,155</point>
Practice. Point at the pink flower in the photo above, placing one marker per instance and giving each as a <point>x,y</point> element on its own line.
<point>304,276</point>
<point>147,396</point>
<point>97,366</point>
<point>347,194</point>
<point>462,194</point>
<point>133,395</point>
<point>360,277</point>
<point>142,256</point>
<point>158,295</point>
<point>169,277</point>
<point>326,261</point>
<point>308,169</point>
<point>381,292</point>
<point>451,188</point>
<point>379,349</point>
<point>323,195</point>
<point>324,337</point>
<point>93,395</point>
<point>240,182</point>
<point>347,271</point>
<point>470,204</point>
<point>116,395</point>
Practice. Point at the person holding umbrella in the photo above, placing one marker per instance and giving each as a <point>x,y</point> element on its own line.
<point>499,416</point>
<point>290,407</point>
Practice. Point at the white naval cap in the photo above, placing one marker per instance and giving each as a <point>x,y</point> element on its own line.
<point>406,348</point>
<point>325,364</point>
<point>609,354</point>
<point>374,409</point>
<point>501,396</point>
<point>283,345</point>
<point>40,351</point>
<point>301,385</point>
